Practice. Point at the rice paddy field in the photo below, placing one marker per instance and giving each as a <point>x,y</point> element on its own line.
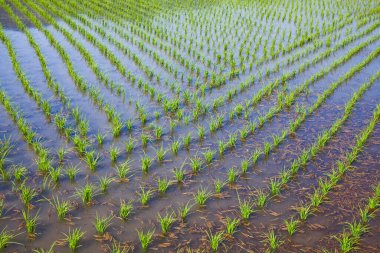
<point>189,126</point>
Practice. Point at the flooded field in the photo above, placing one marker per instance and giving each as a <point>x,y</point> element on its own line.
<point>189,126</point>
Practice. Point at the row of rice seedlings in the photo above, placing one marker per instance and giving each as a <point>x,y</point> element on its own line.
<point>325,185</point>
<point>92,92</point>
<point>349,238</point>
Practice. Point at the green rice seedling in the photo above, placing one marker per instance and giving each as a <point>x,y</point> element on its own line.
<point>72,171</point>
<point>104,183</point>
<point>61,154</point>
<point>373,203</point>
<point>291,226</point>
<point>114,153</point>
<point>316,198</point>
<point>145,195</point>
<point>231,225</point>
<point>146,162</point>
<point>232,176</point>
<point>276,140</point>
<point>125,210</point>
<point>218,186</point>
<point>163,185</point>
<point>275,187</point>
<point>73,237</point>
<point>175,147</point>
<point>201,196</point>
<point>160,154</point>
<point>50,250</point>
<point>26,194</point>
<point>145,238</point>
<point>346,242</point>
<point>85,193</point>
<point>144,140</point>
<point>209,156</point>
<point>166,221</point>
<point>129,145</point>
<point>184,211</point>
<point>158,132</point>
<point>30,222</point>
<point>118,248</point>
<point>231,141</point>
<point>365,215</point>
<point>92,160</point>
<point>357,229</point>
<point>195,164</point>
<point>246,209</point>
<point>100,138</point>
<point>83,127</point>
<point>222,146</point>
<point>244,166</point>
<point>201,132</point>
<point>215,239</point>
<point>267,148</point>
<point>304,212</point>
<point>6,238</point>
<point>101,224</point>
<point>255,156</point>
<point>187,140</point>
<point>244,133</point>
<point>55,174</point>
<point>129,124</point>
<point>19,172</point>
<point>62,207</point>
<point>179,174</point>
<point>273,241</point>
<point>172,125</point>
<point>123,169</point>
<point>261,199</point>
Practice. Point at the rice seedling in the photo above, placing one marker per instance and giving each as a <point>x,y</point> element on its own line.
<point>244,166</point>
<point>145,238</point>
<point>209,156</point>
<point>304,212</point>
<point>92,160</point>
<point>145,195</point>
<point>184,211</point>
<point>125,209</point>
<point>231,225</point>
<point>123,169</point>
<point>104,183</point>
<point>347,243</point>
<point>275,187</point>
<point>114,153</point>
<point>30,222</point>
<point>291,226</point>
<point>62,207</point>
<point>246,208</point>
<point>85,193</point>
<point>163,185</point>
<point>102,223</point>
<point>218,186</point>
<point>261,199</point>
<point>160,154</point>
<point>72,171</point>
<point>166,221</point>
<point>73,237</point>
<point>232,176</point>
<point>129,145</point>
<point>201,196</point>
<point>27,194</point>
<point>273,241</point>
<point>146,162</point>
<point>19,172</point>
<point>2,204</point>
<point>6,238</point>
<point>50,250</point>
<point>195,164</point>
<point>175,146</point>
<point>215,239</point>
<point>201,132</point>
